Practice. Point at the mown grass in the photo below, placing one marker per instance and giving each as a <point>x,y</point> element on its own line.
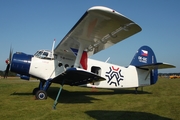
<point>160,101</point>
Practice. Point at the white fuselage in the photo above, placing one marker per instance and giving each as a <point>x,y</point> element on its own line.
<point>116,76</point>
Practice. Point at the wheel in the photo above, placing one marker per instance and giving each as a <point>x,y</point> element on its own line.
<point>41,95</point>
<point>35,90</point>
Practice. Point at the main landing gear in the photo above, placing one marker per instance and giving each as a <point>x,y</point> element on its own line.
<point>40,92</point>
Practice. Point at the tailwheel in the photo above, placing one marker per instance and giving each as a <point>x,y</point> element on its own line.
<point>136,90</point>
<point>35,91</point>
<point>41,95</point>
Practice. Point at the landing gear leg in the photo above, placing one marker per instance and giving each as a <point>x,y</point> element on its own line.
<point>41,84</point>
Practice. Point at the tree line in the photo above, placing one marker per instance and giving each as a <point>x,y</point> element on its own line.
<point>168,74</point>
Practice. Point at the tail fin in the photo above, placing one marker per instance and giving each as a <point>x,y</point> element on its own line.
<point>146,59</point>
<point>144,56</point>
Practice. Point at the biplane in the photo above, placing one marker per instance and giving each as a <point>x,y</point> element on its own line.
<point>69,63</point>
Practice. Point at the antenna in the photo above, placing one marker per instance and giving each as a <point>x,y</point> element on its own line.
<point>53,47</point>
<point>107,59</point>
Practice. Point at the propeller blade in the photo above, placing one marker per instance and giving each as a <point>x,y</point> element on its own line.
<point>10,54</point>
<point>7,70</point>
<point>8,62</point>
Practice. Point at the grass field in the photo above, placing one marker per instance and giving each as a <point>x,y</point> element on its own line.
<point>158,102</point>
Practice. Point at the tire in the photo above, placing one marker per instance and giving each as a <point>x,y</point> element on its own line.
<point>35,91</point>
<point>41,95</point>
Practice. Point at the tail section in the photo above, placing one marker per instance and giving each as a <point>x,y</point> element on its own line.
<point>146,59</point>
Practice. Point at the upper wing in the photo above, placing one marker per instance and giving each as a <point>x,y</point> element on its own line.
<point>99,28</point>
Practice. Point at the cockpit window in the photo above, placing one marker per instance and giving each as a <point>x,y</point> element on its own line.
<point>38,53</point>
<point>43,54</point>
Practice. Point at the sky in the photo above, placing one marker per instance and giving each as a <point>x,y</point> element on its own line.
<point>31,25</point>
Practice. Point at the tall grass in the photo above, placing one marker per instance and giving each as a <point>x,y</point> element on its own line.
<point>159,101</point>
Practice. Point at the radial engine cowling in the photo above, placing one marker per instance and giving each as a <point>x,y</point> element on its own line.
<point>21,63</point>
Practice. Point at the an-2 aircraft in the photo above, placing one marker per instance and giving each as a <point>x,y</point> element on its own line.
<point>99,28</point>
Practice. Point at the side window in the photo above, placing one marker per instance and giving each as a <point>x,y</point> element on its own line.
<point>96,70</point>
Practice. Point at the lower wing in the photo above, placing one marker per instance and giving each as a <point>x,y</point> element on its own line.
<point>77,76</point>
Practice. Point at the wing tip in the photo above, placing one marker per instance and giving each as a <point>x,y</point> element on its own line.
<point>103,8</point>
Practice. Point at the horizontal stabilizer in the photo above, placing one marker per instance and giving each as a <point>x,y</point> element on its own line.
<point>156,66</point>
<point>77,76</point>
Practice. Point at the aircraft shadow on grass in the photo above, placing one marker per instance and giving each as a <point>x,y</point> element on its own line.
<point>82,96</point>
<point>123,115</point>
<point>23,94</point>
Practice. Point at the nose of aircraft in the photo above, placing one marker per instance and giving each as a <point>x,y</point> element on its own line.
<point>21,63</point>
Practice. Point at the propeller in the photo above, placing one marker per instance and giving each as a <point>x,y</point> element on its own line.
<point>8,62</point>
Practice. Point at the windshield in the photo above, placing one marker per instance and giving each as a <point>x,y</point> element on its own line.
<point>43,54</point>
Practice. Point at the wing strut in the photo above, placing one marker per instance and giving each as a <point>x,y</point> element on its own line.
<point>57,97</point>
<point>79,54</point>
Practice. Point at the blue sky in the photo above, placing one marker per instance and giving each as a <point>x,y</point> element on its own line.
<point>30,25</point>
